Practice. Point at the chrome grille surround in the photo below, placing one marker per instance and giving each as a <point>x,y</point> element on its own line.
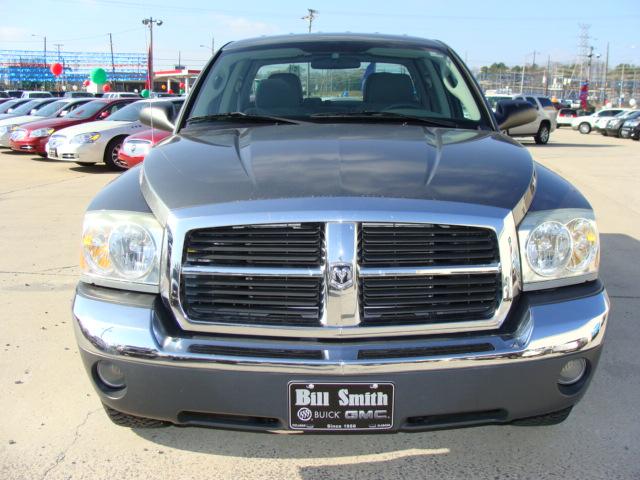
<point>341,317</point>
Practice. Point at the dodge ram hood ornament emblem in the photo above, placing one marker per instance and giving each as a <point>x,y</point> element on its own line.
<point>340,276</point>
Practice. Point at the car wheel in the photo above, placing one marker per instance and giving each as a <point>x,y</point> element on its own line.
<point>604,133</point>
<point>542,137</point>
<point>111,154</point>
<point>584,128</point>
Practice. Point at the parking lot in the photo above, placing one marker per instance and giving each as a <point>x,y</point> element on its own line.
<point>53,425</point>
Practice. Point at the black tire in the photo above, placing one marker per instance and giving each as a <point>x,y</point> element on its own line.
<point>553,418</point>
<point>130,421</point>
<point>111,154</point>
<point>42,155</point>
<point>584,128</point>
<point>544,132</point>
<point>604,133</point>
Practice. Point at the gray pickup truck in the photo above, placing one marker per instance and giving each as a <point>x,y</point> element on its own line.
<point>338,237</point>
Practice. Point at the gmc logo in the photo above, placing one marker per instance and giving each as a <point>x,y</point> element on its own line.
<point>366,415</point>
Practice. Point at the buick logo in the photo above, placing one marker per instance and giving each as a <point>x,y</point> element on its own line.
<point>304,414</point>
<point>340,276</point>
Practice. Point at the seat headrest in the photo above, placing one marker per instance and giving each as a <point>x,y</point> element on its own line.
<point>291,79</point>
<point>276,93</point>
<point>388,88</point>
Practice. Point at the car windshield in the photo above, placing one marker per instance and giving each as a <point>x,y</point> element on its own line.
<point>25,108</point>
<point>316,81</point>
<point>87,110</point>
<point>130,113</point>
<point>7,105</point>
<point>51,109</point>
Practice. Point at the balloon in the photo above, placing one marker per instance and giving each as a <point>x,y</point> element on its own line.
<point>164,87</point>
<point>99,76</point>
<point>145,93</point>
<point>106,88</point>
<point>56,69</point>
<point>181,84</point>
<point>64,87</point>
<point>135,90</point>
<point>75,87</point>
<point>170,91</point>
<point>182,91</point>
<point>86,83</point>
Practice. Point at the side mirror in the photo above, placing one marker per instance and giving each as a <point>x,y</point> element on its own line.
<point>513,113</point>
<point>63,113</point>
<point>104,115</point>
<point>158,116</point>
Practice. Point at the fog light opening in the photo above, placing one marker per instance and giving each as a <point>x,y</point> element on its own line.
<point>572,371</point>
<point>110,375</point>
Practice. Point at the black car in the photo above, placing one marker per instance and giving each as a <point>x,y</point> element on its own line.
<point>629,128</point>
<point>338,237</point>
<point>614,126</point>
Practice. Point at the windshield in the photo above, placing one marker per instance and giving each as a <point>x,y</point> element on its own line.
<point>10,104</point>
<point>87,110</point>
<point>25,108</point>
<point>51,108</point>
<point>130,113</point>
<point>316,80</point>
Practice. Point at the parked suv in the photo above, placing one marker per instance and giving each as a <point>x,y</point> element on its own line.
<point>540,128</point>
<point>385,262</point>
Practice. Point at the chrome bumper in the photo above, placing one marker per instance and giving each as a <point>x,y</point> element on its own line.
<point>128,327</point>
<point>86,152</point>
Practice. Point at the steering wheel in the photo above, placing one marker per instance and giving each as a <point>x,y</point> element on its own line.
<point>402,105</point>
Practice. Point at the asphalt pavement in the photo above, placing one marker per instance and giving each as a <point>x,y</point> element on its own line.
<point>52,425</point>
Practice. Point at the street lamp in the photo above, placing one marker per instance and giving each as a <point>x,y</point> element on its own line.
<point>45,45</point>
<point>212,46</point>
<point>149,23</point>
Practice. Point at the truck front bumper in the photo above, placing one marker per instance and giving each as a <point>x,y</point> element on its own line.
<point>241,383</point>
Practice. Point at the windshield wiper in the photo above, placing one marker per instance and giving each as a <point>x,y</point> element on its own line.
<point>385,116</point>
<point>242,117</point>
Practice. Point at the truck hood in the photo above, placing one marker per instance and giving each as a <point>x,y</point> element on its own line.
<point>203,166</point>
<point>96,126</point>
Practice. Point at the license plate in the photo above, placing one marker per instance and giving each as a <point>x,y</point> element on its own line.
<point>53,152</point>
<point>340,406</point>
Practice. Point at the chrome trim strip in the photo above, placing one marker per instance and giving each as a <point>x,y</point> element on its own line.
<point>340,210</point>
<point>427,271</point>
<point>257,271</point>
<point>132,333</point>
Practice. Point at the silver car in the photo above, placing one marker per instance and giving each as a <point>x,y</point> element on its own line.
<point>100,141</point>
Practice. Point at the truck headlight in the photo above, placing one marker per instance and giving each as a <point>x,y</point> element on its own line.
<point>122,250</point>
<point>41,132</point>
<point>559,247</point>
<point>89,137</point>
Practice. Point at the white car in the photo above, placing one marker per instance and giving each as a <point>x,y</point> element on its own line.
<point>602,122</point>
<point>35,94</point>
<point>100,141</point>
<point>586,123</point>
<point>58,108</point>
<point>121,95</point>
<point>545,123</point>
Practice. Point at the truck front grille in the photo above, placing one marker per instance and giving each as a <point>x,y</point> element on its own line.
<point>427,299</point>
<point>251,300</point>
<point>293,245</point>
<point>392,244</point>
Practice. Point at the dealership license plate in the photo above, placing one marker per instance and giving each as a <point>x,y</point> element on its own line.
<point>53,152</point>
<point>340,406</point>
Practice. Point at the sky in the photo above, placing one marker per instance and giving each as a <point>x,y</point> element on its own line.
<point>481,32</point>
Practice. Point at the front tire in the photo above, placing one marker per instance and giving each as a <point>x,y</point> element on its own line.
<point>111,154</point>
<point>542,137</point>
<point>130,421</point>
<point>584,128</point>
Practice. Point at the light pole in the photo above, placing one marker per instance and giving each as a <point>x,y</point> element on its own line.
<point>149,22</point>
<point>212,45</point>
<point>45,51</point>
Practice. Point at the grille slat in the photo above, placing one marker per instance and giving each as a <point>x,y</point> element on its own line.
<point>260,245</point>
<point>391,245</point>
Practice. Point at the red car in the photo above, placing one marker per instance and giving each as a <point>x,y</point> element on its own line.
<point>136,147</point>
<point>33,137</point>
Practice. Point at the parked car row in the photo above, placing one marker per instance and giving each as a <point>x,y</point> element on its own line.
<point>613,122</point>
<point>544,124</point>
<point>81,130</point>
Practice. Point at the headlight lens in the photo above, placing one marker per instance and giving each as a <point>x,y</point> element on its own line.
<point>136,148</point>
<point>90,137</point>
<point>4,130</point>
<point>559,247</point>
<point>548,248</point>
<point>122,250</point>
<point>41,132</point>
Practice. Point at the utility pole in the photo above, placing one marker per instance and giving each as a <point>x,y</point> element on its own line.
<point>546,83</point>
<point>604,75</point>
<point>621,86</point>
<point>113,65</point>
<point>149,22</point>
<point>311,16</point>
